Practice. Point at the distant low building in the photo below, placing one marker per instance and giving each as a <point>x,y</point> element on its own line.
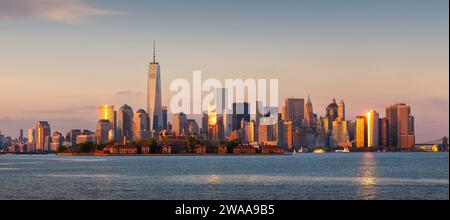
<point>200,149</point>
<point>121,149</point>
<point>271,150</point>
<point>244,149</point>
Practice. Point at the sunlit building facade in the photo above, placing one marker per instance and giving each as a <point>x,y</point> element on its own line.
<point>107,112</point>
<point>341,110</point>
<point>340,132</point>
<point>180,125</point>
<point>43,136</point>
<point>361,132</point>
<point>372,129</point>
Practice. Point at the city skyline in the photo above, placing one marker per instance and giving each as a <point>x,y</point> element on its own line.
<point>71,87</point>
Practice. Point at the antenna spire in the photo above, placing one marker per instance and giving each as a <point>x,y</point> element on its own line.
<point>154,52</point>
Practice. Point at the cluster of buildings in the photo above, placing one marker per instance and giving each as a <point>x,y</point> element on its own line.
<point>297,126</point>
<point>294,126</point>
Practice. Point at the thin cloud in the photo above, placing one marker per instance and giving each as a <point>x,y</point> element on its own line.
<point>53,10</point>
<point>127,92</point>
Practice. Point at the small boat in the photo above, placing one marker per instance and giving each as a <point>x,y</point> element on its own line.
<point>346,150</point>
<point>319,151</point>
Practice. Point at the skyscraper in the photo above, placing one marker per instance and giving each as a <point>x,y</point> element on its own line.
<point>57,140</point>
<point>405,127</point>
<point>20,135</point>
<point>401,125</point>
<point>164,118</point>
<point>372,129</point>
<point>140,126</point>
<point>383,131</point>
<point>102,131</point>
<point>31,139</point>
<point>125,123</point>
<point>392,118</point>
<point>42,133</point>
<point>227,122</point>
<point>309,114</point>
<point>154,103</point>
<point>106,112</point>
<point>341,110</point>
<point>361,131</point>
<point>179,124</point>
<point>294,110</point>
<point>31,135</point>
<point>240,111</point>
<point>332,113</point>
<point>340,132</point>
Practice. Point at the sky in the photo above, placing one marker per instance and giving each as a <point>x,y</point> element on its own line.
<point>60,59</point>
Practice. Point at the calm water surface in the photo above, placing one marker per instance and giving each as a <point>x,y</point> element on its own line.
<point>300,176</point>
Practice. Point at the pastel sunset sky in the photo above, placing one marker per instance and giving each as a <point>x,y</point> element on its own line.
<point>60,59</point>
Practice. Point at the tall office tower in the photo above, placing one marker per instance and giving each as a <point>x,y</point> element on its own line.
<point>392,118</point>
<point>227,123</point>
<point>406,139</point>
<point>340,132</point>
<point>332,111</point>
<point>445,143</point>
<point>140,125</point>
<point>383,131</point>
<point>31,140</point>
<point>361,131</point>
<point>341,110</point>
<point>214,128</point>
<point>164,118</point>
<point>326,125</point>
<point>401,125</point>
<point>259,112</point>
<point>352,130</point>
<point>106,112</point>
<point>287,134</point>
<point>154,103</point>
<point>102,131</point>
<point>309,114</point>
<point>42,132</point>
<point>294,110</point>
<point>31,135</point>
<point>372,129</point>
<point>111,135</point>
<point>179,126</point>
<point>240,111</point>
<point>283,113</point>
<point>266,133</point>
<point>215,125</point>
<point>125,124</point>
<point>205,124</point>
<point>57,140</point>
<point>20,135</point>
<point>279,129</point>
